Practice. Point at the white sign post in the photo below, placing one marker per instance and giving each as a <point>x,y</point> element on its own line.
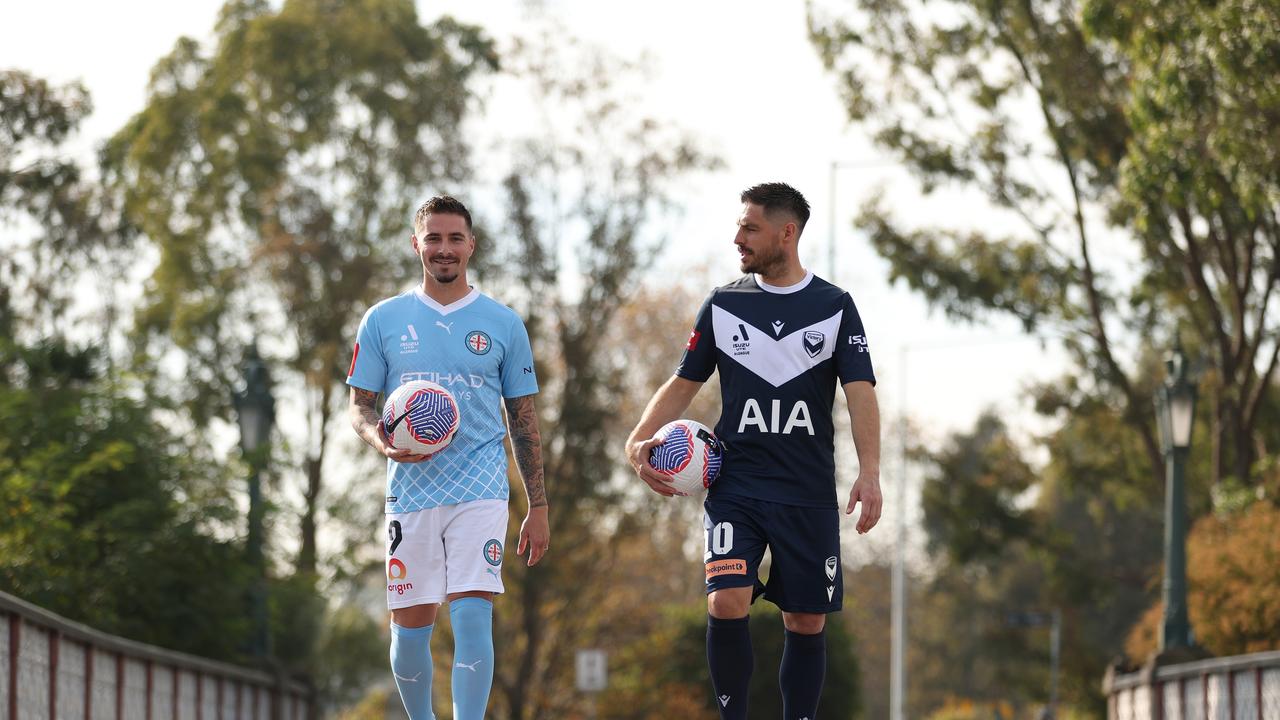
<point>592,675</point>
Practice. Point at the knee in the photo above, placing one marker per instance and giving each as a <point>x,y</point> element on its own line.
<point>415,616</point>
<point>804,623</point>
<point>729,604</point>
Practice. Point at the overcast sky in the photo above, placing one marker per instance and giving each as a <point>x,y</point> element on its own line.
<point>739,74</point>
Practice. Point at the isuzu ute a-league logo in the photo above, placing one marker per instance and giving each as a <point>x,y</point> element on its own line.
<point>408,345</point>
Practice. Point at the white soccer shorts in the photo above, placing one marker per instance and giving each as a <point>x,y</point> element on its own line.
<point>447,549</point>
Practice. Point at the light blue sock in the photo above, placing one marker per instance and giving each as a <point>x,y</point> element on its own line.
<point>411,665</point>
<point>472,619</point>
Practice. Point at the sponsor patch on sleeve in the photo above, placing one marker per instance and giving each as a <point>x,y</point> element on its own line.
<point>693,340</point>
<point>716,568</point>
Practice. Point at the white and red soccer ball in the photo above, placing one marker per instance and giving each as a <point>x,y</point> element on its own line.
<point>689,454</point>
<point>420,416</point>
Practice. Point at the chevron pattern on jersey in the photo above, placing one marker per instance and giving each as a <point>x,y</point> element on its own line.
<point>776,361</point>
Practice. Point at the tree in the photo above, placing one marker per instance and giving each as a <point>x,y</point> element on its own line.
<point>664,673</point>
<point>585,188</point>
<point>275,175</point>
<point>1078,534</point>
<point>1175,148</point>
<point>59,223</point>
<point>1233,596</point>
<point>970,509</point>
<point>107,519</point>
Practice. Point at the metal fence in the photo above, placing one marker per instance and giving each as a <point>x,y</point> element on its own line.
<point>1244,687</point>
<point>55,669</point>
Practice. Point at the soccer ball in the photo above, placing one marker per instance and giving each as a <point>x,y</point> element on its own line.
<point>689,454</point>
<point>420,416</point>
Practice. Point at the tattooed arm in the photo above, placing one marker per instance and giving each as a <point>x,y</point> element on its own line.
<point>363,410</point>
<point>526,445</point>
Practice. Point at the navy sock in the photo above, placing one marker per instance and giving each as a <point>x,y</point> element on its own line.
<point>729,657</point>
<point>803,668</point>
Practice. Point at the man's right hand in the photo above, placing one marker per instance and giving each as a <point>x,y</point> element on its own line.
<point>403,455</point>
<point>638,456</point>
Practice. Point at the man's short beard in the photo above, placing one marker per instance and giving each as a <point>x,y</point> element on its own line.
<point>762,265</point>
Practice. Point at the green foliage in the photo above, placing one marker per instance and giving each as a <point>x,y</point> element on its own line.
<point>1080,541</point>
<point>589,185</point>
<point>970,509</point>
<point>291,154</point>
<point>275,174</point>
<point>1159,115</point>
<point>664,674</point>
<point>54,220</point>
<point>1233,586</point>
<point>94,526</point>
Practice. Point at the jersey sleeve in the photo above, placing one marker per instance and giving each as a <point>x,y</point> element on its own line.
<point>518,376</point>
<point>368,365</point>
<point>699,359</point>
<point>852,356</point>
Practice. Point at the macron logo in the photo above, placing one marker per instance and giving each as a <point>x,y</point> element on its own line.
<point>724,701</point>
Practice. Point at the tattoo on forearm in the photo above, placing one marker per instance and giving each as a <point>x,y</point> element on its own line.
<point>364,411</point>
<point>526,445</point>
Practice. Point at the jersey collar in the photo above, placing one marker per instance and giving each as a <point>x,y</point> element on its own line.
<point>454,306</point>
<point>784,290</point>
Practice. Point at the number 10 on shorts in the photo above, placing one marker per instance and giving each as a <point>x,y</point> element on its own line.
<point>719,540</point>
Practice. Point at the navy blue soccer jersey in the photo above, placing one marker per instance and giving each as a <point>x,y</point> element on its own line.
<point>780,352</point>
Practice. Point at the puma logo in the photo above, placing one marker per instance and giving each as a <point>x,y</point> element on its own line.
<point>447,328</point>
<point>405,679</point>
<point>471,667</point>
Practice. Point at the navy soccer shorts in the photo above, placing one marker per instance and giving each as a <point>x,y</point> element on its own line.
<point>804,547</point>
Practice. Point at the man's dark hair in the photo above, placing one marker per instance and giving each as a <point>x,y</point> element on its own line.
<point>441,205</point>
<point>776,196</point>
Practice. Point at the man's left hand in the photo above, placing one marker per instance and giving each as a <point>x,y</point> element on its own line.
<point>866,489</point>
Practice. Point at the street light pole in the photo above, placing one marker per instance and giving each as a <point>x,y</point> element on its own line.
<point>897,645</point>
<point>834,167</point>
<point>255,413</point>
<point>1175,415</point>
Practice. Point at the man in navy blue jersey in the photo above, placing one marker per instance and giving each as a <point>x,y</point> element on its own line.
<point>781,339</point>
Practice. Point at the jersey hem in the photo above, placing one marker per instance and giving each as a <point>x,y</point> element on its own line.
<point>793,502</point>
<point>404,511</point>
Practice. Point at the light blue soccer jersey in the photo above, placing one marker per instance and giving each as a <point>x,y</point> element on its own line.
<point>479,350</point>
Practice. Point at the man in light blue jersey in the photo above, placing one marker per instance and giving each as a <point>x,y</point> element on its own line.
<point>446,515</point>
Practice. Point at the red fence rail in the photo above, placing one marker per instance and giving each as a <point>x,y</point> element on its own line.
<point>53,668</point>
<point>1243,687</point>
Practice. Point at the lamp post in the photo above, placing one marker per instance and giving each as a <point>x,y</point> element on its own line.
<point>256,414</point>
<point>1175,415</point>
<point>1054,621</point>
